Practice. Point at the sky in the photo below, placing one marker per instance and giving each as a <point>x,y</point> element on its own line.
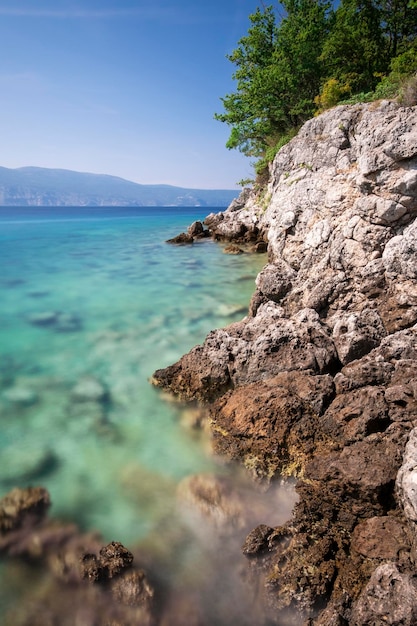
<point>121,87</point>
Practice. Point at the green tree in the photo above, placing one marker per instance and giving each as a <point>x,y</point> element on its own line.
<point>399,23</point>
<point>250,111</point>
<point>296,62</point>
<point>277,75</point>
<point>355,52</point>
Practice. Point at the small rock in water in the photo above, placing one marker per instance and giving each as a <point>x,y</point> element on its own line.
<point>58,321</point>
<point>23,464</point>
<point>233,249</point>
<point>89,389</point>
<point>13,282</point>
<point>227,310</point>
<point>67,322</point>
<point>214,499</point>
<point>21,505</point>
<point>38,294</point>
<point>181,239</point>
<point>22,396</point>
<point>196,229</point>
<point>46,318</point>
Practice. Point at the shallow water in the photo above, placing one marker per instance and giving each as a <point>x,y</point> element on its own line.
<point>92,302</point>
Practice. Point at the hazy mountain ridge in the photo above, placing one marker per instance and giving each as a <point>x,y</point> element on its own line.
<point>37,186</point>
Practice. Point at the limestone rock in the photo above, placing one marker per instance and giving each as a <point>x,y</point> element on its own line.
<point>406,483</point>
<point>252,350</point>
<point>275,281</point>
<point>320,379</point>
<point>389,598</point>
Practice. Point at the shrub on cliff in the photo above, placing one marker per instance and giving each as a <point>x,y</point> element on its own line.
<point>289,67</point>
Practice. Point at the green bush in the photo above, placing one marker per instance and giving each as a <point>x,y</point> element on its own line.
<point>408,92</point>
<point>261,166</point>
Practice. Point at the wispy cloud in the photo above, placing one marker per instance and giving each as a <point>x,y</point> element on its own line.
<point>144,12</point>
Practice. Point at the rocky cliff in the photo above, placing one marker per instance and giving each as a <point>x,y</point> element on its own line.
<point>319,381</point>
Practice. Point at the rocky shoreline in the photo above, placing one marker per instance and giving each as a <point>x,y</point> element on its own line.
<point>319,381</point>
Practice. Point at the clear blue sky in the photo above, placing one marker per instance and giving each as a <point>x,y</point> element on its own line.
<point>121,87</point>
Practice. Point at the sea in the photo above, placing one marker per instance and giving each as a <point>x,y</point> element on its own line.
<point>93,301</point>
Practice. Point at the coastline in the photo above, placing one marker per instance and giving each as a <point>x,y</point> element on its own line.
<point>318,381</point>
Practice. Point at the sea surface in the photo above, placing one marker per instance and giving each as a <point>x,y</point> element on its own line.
<point>93,301</point>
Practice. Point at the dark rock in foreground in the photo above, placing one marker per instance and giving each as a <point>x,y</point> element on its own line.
<point>67,562</point>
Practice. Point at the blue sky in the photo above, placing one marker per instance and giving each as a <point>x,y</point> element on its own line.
<point>121,87</point>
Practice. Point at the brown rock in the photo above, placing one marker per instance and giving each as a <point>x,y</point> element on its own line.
<point>380,538</point>
<point>273,426</point>
<point>112,560</point>
<point>196,230</point>
<point>133,589</point>
<point>233,249</point>
<point>181,239</point>
<point>23,507</point>
<point>258,540</point>
<point>356,414</point>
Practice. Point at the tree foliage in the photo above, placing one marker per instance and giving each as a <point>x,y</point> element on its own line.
<point>355,52</point>
<point>289,66</point>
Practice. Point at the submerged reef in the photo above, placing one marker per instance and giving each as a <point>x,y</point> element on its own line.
<point>319,380</point>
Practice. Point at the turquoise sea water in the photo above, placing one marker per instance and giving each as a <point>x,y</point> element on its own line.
<point>92,302</point>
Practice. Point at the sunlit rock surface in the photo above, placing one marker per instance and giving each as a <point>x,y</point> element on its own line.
<point>319,380</point>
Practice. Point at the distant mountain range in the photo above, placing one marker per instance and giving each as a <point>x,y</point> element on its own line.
<point>38,186</point>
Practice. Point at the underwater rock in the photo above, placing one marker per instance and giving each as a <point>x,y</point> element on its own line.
<point>20,464</point>
<point>56,320</point>
<point>46,318</point>
<point>23,508</point>
<point>133,589</point>
<point>21,396</point>
<point>64,562</point>
<point>233,249</point>
<point>213,498</point>
<point>89,389</point>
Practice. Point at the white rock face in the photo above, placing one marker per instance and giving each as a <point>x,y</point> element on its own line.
<point>406,483</point>
<point>336,300</point>
<point>339,214</point>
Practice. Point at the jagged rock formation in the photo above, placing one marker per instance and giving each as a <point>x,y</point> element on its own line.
<point>82,580</point>
<point>320,379</point>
